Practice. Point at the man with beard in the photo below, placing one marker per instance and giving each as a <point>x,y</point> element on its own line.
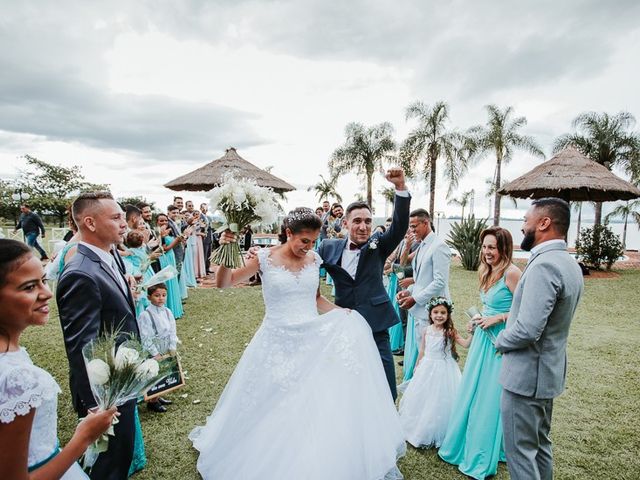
<point>534,343</point>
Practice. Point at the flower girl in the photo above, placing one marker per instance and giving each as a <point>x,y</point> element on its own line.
<point>426,404</point>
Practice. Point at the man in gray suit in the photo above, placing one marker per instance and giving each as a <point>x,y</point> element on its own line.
<point>430,271</point>
<point>534,343</point>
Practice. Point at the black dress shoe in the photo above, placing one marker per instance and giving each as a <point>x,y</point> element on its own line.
<point>156,407</point>
<point>401,363</point>
<point>398,352</point>
<point>164,401</point>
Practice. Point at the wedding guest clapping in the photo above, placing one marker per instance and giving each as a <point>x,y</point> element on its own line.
<point>28,394</point>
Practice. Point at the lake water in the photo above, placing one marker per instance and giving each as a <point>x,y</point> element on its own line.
<point>443,226</point>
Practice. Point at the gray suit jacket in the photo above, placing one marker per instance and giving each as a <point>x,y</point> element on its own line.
<point>430,273</point>
<point>535,340</point>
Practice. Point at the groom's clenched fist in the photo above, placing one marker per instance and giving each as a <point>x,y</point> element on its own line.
<point>396,176</point>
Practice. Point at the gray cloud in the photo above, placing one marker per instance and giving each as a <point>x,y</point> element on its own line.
<point>53,85</point>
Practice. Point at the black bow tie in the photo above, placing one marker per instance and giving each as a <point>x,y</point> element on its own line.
<point>353,246</point>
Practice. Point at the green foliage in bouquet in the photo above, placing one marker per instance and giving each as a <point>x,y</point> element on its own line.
<point>465,238</point>
<point>599,245</point>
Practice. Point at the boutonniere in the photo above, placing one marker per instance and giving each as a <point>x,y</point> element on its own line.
<point>373,244</point>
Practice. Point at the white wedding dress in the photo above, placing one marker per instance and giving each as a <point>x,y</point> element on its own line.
<point>309,398</point>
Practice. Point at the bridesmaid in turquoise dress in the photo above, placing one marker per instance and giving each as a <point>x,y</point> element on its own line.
<point>396,333</point>
<point>138,259</point>
<point>174,299</point>
<point>474,439</point>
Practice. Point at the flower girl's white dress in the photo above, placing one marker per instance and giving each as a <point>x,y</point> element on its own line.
<point>309,398</point>
<point>23,387</point>
<point>426,404</point>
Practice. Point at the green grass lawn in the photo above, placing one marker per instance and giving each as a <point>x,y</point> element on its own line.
<point>595,424</point>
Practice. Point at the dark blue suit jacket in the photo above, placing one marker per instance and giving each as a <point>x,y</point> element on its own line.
<point>90,301</point>
<point>366,293</point>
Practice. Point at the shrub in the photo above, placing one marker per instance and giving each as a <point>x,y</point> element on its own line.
<point>598,245</point>
<point>465,238</point>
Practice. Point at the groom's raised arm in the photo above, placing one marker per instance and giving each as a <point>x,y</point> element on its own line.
<point>400,222</point>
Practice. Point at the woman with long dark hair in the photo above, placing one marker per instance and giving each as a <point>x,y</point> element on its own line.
<point>28,394</point>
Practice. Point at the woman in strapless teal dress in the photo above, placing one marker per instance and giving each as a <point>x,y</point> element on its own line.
<point>474,440</point>
<point>174,300</point>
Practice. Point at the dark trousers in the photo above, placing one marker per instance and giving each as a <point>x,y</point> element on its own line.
<point>115,462</point>
<point>384,347</point>
<point>526,423</point>
<point>32,241</point>
<point>207,252</point>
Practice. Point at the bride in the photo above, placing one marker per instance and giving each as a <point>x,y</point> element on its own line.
<point>309,398</point>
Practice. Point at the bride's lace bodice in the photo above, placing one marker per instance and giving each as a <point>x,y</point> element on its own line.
<point>289,297</point>
<point>24,386</point>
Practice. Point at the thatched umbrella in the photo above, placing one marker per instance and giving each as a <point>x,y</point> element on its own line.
<point>212,174</point>
<point>571,176</point>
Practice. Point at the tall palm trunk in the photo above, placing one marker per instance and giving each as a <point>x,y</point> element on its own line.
<point>369,188</point>
<point>496,204</point>
<point>432,188</point>
<point>624,232</point>
<point>598,211</point>
<point>462,211</point>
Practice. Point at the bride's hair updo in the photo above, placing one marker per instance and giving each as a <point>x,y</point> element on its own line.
<point>299,219</point>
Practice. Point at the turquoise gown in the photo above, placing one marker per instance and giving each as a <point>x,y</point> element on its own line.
<point>135,262</point>
<point>139,460</point>
<point>396,333</point>
<point>174,300</point>
<point>188,266</point>
<point>410,349</point>
<point>474,439</point>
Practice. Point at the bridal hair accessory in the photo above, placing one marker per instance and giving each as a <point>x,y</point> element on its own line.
<point>299,214</point>
<point>435,301</point>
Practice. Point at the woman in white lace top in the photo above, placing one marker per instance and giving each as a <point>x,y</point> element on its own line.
<point>28,394</point>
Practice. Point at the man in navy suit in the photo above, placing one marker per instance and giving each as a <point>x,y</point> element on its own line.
<point>93,296</point>
<point>356,265</point>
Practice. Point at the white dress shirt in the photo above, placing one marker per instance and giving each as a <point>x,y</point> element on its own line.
<point>157,330</point>
<point>350,257</point>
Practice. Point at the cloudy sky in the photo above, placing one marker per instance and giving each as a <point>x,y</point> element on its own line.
<point>137,93</point>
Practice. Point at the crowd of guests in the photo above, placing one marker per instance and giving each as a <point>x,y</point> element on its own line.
<point>113,248</point>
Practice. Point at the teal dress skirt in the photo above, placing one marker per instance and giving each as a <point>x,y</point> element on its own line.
<point>396,333</point>
<point>188,266</point>
<point>139,460</point>
<point>410,349</point>
<point>174,300</point>
<point>474,440</point>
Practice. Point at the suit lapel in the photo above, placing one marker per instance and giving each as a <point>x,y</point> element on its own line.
<point>107,269</point>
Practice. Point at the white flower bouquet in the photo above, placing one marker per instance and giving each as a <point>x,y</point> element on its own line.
<point>242,203</point>
<point>117,372</point>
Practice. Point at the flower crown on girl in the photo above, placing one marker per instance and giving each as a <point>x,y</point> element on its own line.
<point>435,301</point>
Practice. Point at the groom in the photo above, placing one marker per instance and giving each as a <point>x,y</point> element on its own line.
<point>356,264</point>
<point>534,343</point>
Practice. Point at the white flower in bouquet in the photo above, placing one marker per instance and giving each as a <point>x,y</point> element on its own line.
<point>242,203</point>
<point>149,368</point>
<point>98,372</point>
<point>126,356</point>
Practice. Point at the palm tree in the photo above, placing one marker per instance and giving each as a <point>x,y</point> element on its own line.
<point>605,139</point>
<point>500,136</point>
<point>626,210</point>
<point>462,201</point>
<point>325,189</point>
<point>432,142</point>
<point>491,189</point>
<point>364,151</point>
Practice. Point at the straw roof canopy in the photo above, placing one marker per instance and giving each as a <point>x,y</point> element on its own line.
<point>212,174</point>
<point>574,177</point>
